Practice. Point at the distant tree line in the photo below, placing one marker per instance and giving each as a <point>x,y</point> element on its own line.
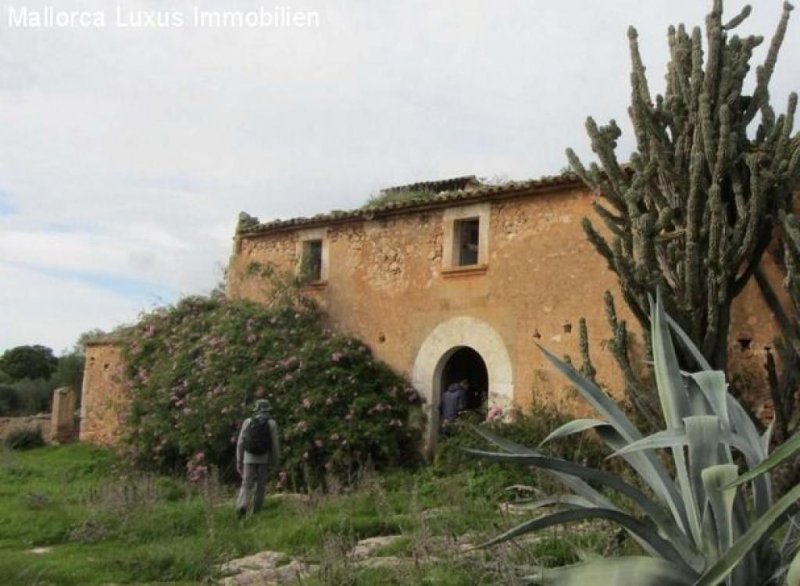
<point>29,374</point>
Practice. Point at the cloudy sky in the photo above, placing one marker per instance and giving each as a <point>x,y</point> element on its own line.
<point>126,153</point>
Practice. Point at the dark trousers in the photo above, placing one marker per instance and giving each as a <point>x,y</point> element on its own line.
<point>254,480</point>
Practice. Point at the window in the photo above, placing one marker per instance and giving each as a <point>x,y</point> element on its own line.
<point>465,240</point>
<point>311,262</point>
<point>466,236</point>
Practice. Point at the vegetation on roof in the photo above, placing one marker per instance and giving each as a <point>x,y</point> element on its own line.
<point>385,198</point>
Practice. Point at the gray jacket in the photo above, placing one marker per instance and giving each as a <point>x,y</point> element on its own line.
<point>272,457</point>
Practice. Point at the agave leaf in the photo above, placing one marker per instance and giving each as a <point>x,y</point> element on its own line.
<point>564,500</point>
<point>619,571</point>
<point>758,530</point>
<point>501,442</point>
<point>703,439</point>
<point>744,426</point>
<point>669,381</point>
<point>657,545</point>
<point>677,438</point>
<point>674,405</point>
<point>714,388</point>
<point>652,471</point>
<point>721,499</point>
<point>572,427</point>
<point>766,437</point>
<point>576,485</point>
<point>669,438</point>
<point>649,508</point>
<point>791,541</point>
<point>702,363</point>
<point>793,574</point>
<point>647,465</point>
<point>602,403</point>
<point>782,453</point>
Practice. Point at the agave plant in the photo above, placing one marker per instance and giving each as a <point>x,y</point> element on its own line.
<point>708,522</point>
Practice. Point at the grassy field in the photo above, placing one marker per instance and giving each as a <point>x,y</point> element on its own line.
<point>74,515</point>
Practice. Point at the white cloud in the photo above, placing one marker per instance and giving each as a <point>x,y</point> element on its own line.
<point>127,154</point>
<point>42,309</point>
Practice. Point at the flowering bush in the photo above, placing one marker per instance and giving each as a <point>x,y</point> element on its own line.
<point>196,369</point>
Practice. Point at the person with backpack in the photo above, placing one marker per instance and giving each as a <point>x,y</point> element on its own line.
<point>257,449</point>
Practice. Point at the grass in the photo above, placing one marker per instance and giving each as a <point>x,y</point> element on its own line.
<point>75,515</point>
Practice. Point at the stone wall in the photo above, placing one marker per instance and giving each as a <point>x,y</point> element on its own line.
<point>103,403</point>
<point>9,424</point>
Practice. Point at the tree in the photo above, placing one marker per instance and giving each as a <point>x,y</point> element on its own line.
<point>69,372</point>
<point>31,362</point>
<point>694,209</point>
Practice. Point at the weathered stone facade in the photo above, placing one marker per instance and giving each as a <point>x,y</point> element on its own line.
<point>389,278</point>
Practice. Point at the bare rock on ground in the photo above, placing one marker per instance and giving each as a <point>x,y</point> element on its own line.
<point>266,568</point>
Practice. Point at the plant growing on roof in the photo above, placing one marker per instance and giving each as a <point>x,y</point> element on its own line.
<point>700,527</point>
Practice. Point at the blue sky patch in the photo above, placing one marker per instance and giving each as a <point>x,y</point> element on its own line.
<point>141,290</point>
<point>6,207</point>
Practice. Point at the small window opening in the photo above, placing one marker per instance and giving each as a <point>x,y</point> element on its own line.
<point>466,237</point>
<point>744,343</point>
<point>311,263</point>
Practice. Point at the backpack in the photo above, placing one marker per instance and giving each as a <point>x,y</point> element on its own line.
<point>258,436</point>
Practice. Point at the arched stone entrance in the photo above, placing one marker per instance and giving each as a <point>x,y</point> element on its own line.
<point>445,342</point>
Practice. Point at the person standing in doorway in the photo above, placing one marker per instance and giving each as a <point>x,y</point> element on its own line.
<point>454,401</point>
<point>257,450</point>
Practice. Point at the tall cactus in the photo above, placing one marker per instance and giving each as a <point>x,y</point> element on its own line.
<point>694,208</point>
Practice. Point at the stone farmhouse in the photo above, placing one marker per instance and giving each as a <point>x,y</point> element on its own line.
<point>463,284</point>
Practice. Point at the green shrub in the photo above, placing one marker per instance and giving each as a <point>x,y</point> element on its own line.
<point>528,427</point>
<point>9,400</point>
<point>25,438</point>
<point>195,370</point>
<point>35,395</point>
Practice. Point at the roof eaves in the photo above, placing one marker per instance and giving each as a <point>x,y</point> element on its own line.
<point>444,199</point>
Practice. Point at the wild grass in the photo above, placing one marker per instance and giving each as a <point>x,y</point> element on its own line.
<point>78,515</point>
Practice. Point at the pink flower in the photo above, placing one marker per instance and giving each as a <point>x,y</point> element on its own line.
<point>307,403</point>
<point>336,357</point>
<point>319,443</point>
<point>494,413</point>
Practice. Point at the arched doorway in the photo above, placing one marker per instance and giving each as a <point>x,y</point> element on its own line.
<point>466,364</point>
<point>445,341</point>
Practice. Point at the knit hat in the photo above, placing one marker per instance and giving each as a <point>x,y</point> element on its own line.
<point>262,405</point>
